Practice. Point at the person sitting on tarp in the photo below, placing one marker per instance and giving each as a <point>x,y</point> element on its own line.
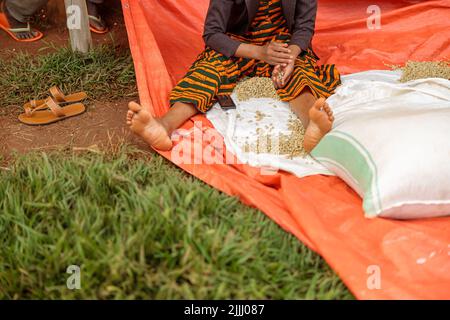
<point>253,38</point>
<point>15,14</point>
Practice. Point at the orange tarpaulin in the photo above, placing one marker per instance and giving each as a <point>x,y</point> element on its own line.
<point>376,259</point>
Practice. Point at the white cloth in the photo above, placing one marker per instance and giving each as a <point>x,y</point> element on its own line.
<point>239,127</point>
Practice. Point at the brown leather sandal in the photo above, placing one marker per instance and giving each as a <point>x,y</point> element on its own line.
<point>50,112</point>
<point>59,97</point>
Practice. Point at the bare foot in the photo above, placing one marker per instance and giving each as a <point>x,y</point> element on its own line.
<point>320,123</point>
<point>148,128</point>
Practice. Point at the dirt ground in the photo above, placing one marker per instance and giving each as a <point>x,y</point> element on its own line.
<point>102,124</point>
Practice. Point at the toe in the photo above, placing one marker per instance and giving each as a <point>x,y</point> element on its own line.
<point>133,106</point>
<point>327,109</point>
<point>319,103</point>
<point>130,116</point>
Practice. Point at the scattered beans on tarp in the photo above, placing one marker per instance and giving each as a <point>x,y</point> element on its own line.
<point>289,144</point>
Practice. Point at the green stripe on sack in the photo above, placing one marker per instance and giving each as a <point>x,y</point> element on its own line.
<point>341,149</point>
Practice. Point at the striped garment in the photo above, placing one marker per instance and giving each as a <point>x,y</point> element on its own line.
<point>214,74</point>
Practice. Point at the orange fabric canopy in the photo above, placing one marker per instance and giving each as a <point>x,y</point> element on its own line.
<point>411,258</point>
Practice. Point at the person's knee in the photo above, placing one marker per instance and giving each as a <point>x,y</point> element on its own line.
<point>209,70</point>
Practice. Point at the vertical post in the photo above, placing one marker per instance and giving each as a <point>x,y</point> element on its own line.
<point>78,25</point>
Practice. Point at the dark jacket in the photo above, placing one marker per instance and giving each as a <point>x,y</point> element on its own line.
<point>235,16</point>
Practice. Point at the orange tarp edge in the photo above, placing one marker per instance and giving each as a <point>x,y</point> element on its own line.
<point>411,258</point>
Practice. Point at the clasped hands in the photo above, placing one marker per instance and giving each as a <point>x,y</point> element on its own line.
<point>282,56</point>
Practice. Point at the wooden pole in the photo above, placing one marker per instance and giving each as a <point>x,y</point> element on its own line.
<point>78,25</point>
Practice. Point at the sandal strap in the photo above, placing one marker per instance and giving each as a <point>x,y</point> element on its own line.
<point>54,107</point>
<point>17,30</point>
<point>96,19</point>
<point>57,94</point>
<point>29,110</point>
<point>49,104</point>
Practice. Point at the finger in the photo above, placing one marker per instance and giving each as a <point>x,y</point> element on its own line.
<point>275,74</point>
<point>276,50</point>
<point>274,81</point>
<point>276,70</point>
<point>281,61</point>
<point>280,76</point>
<point>280,44</point>
<point>283,55</point>
<point>280,81</point>
<point>286,78</point>
<point>281,49</point>
<point>277,84</point>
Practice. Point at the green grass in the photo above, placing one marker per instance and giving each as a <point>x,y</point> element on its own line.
<point>105,74</point>
<point>141,228</point>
